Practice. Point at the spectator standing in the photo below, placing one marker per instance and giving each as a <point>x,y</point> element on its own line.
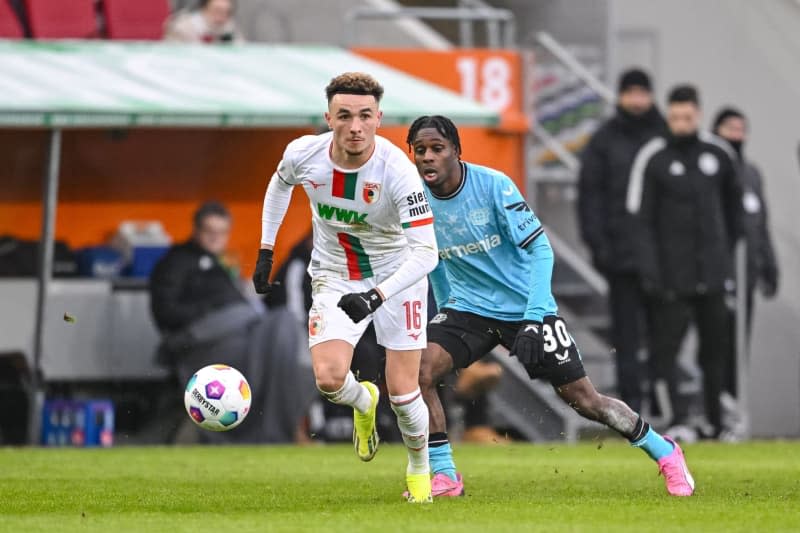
<point>211,22</point>
<point>762,266</point>
<point>685,193</point>
<point>606,224</point>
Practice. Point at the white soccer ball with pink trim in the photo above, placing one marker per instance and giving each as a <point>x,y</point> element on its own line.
<point>217,397</point>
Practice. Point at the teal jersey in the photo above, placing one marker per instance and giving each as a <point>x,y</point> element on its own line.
<point>495,260</point>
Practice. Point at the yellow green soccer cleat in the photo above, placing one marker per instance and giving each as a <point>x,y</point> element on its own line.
<point>419,488</point>
<point>365,434</point>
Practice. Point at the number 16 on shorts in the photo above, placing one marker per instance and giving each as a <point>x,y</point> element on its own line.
<point>413,315</point>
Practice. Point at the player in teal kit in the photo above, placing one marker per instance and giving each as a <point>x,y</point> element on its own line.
<point>492,286</point>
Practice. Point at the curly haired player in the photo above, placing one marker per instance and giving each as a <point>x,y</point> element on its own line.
<point>373,247</point>
<point>492,286</point>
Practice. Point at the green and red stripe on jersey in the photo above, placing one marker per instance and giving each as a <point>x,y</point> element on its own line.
<point>344,184</point>
<point>358,265</point>
<point>418,222</point>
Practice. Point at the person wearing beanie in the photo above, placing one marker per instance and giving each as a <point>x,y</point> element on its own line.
<point>762,266</point>
<point>606,225</point>
<point>634,78</point>
<point>686,199</point>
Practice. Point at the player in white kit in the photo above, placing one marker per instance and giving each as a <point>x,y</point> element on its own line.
<point>373,247</point>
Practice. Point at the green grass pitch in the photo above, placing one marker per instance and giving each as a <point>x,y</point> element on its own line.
<point>586,487</point>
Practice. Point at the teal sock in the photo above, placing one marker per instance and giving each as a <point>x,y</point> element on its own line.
<point>654,445</point>
<point>441,457</point>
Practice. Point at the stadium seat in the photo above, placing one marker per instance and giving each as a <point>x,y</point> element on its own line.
<point>10,28</point>
<point>58,19</point>
<point>135,19</point>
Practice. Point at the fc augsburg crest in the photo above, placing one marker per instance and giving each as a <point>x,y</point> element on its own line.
<point>315,324</point>
<point>371,192</point>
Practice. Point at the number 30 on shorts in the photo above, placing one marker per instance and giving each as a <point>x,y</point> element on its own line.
<point>555,335</point>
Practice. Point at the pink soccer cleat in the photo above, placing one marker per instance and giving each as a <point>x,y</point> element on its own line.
<point>442,485</point>
<point>676,474</point>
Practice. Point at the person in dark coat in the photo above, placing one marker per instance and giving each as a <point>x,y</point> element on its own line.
<point>606,225</point>
<point>762,265</point>
<point>205,319</point>
<point>686,196</point>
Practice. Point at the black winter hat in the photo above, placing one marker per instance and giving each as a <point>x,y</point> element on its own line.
<point>724,114</point>
<point>634,77</point>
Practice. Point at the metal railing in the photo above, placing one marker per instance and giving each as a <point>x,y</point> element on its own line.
<point>497,38</point>
<point>568,59</point>
<point>577,263</point>
<point>465,27</point>
<point>561,53</point>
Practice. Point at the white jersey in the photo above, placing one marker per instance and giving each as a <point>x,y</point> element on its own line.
<point>358,214</point>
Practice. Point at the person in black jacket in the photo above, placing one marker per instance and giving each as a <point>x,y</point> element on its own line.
<point>606,224</point>
<point>205,319</point>
<point>190,281</point>
<point>762,266</point>
<point>686,195</point>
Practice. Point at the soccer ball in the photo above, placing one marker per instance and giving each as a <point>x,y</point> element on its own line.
<point>217,397</point>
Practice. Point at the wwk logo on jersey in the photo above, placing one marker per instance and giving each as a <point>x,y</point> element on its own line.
<point>348,216</point>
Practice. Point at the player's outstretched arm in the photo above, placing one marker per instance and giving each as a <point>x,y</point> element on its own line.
<point>529,343</point>
<point>276,203</point>
<point>542,260</point>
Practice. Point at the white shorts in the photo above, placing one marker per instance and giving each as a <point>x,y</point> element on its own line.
<point>400,322</point>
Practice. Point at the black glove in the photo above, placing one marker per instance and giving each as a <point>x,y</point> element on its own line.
<point>358,305</point>
<point>529,344</point>
<point>263,268</point>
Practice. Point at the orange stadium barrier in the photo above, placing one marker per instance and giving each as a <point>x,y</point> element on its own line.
<point>493,78</point>
<point>147,175</point>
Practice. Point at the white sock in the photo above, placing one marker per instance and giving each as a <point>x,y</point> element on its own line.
<point>352,393</point>
<point>412,419</point>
